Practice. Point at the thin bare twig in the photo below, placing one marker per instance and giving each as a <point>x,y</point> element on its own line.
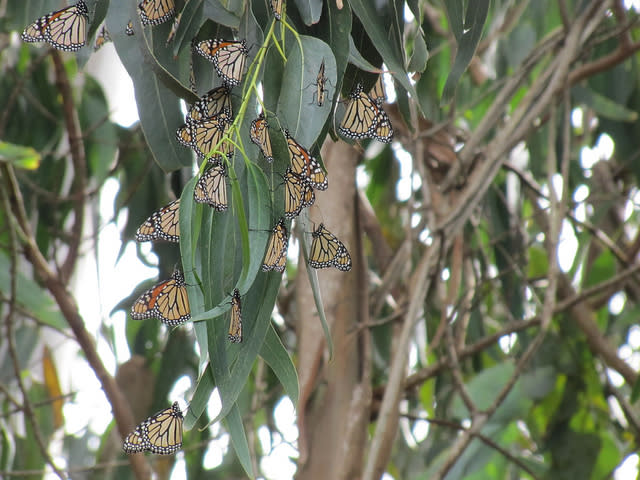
<point>13,352</point>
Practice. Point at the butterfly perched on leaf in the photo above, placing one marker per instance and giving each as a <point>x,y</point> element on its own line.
<point>298,194</point>
<point>259,134</point>
<point>235,322</point>
<point>276,256</point>
<point>377,92</point>
<point>276,8</point>
<point>305,165</point>
<point>102,38</point>
<point>228,58</point>
<point>321,82</point>
<point>129,28</point>
<point>211,187</point>
<point>328,251</point>
<point>205,136</point>
<point>167,301</point>
<point>163,224</point>
<point>364,118</point>
<point>155,12</point>
<point>160,433</point>
<point>64,29</point>
<point>215,102</point>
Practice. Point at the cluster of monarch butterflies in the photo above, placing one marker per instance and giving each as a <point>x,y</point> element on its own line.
<point>206,124</point>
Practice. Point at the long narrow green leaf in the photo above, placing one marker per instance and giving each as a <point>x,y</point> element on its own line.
<point>239,440</point>
<point>474,24</point>
<point>275,354</point>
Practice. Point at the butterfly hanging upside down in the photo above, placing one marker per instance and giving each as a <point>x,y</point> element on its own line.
<point>155,12</point>
<point>235,322</point>
<point>365,118</point>
<point>167,301</point>
<point>276,256</point>
<point>328,251</point>
<point>163,224</point>
<point>64,29</point>
<point>160,433</point>
<point>305,165</point>
<point>228,58</point>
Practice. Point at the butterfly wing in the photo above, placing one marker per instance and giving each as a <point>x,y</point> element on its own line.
<point>276,8</point>
<point>305,165</point>
<point>214,102</point>
<point>65,29</point>
<point>102,38</point>
<point>365,118</point>
<point>297,194</point>
<point>163,224</point>
<point>211,187</point>
<point>235,323</point>
<point>377,93</point>
<point>167,301</point>
<point>228,58</point>
<point>321,81</point>
<point>259,134</point>
<point>328,251</point>
<point>206,136</point>
<point>160,434</point>
<point>360,118</point>
<point>155,12</point>
<point>276,256</point>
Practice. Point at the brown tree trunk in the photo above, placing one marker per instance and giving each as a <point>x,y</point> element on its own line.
<point>335,395</point>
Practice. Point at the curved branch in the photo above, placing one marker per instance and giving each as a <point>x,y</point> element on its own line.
<point>121,409</point>
<point>78,159</point>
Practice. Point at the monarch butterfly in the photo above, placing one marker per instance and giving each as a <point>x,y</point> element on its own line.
<point>321,81</point>
<point>155,12</point>
<point>235,324</point>
<point>377,93</point>
<point>205,135</point>
<point>228,58</point>
<point>174,29</point>
<point>166,300</point>
<point>305,165</point>
<point>163,224</point>
<point>328,251</point>
<point>129,28</point>
<point>64,29</point>
<point>102,38</point>
<point>259,135</point>
<point>160,433</point>
<point>276,8</point>
<point>211,187</point>
<point>276,256</point>
<point>212,103</point>
<point>297,194</point>
<point>365,119</point>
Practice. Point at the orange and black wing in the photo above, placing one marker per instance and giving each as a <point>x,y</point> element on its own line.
<point>228,58</point>
<point>211,187</point>
<point>160,434</point>
<point>155,12</point>
<point>276,256</point>
<point>65,29</point>
<point>167,301</point>
<point>305,165</point>
<point>259,134</point>
<point>163,224</point>
<point>297,194</point>
<point>328,251</point>
<point>235,323</point>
